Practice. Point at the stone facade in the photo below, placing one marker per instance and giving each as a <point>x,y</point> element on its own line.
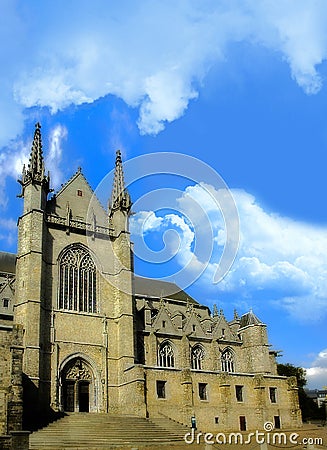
<point>98,339</point>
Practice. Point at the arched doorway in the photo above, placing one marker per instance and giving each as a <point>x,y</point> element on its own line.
<point>78,386</point>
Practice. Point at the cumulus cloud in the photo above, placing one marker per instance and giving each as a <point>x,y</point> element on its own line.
<point>317,373</point>
<point>279,259</point>
<point>154,55</point>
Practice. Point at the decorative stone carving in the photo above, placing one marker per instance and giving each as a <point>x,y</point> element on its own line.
<point>79,371</point>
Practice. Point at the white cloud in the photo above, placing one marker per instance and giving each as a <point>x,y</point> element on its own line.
<point>11,164</point>
<point>8,232</point>
<point>152,54</point>
<point>145,221</point>
<point>54,155</point>
<point>317,373</point>
<point>279,260</point>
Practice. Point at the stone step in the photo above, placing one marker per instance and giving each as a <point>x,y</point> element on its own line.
<point>100,431</point>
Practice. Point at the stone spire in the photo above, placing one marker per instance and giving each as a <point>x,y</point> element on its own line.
<point>120,199</point>
<point>35,170</point>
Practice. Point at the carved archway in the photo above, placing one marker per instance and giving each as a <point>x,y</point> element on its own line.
<point>79,391</point>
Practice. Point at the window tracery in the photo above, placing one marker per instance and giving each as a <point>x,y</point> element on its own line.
<point>166,355</point>
<point>227,361</point>
<point>77,281</point>
<point>197,356</point>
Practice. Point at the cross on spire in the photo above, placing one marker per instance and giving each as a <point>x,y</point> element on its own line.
<point>120,198</point>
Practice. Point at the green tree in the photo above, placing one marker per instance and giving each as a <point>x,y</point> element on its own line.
<point>309,407</point>
<point>289,370</point>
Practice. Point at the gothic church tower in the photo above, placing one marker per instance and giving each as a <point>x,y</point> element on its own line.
<point>30,266</point>
<point>74,294</point>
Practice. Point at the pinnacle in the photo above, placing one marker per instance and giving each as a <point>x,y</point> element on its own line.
<point>120,198</point>
<point>36,164</point>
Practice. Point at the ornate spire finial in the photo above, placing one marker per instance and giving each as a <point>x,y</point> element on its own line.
<point>236,316</point>
<point>215,310</point>
<point>120,198</point>
<point>35,168</point>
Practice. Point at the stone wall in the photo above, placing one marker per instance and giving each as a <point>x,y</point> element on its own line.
<point>11,390</point>
<point>221,409</point>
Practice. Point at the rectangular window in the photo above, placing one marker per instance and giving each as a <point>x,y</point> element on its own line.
<point>6,302</point>
<point>239,393</point>
<point>272,394</point>
<point>277,422</point>
<point>203,393</point>
<point>217,420</point>
<point>79,193</point>
<point>242,423</point>
<point>161,389</point>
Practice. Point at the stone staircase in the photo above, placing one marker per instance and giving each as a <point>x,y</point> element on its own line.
<point>103,431</point>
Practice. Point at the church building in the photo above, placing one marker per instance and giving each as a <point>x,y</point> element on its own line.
<point>80,333</point>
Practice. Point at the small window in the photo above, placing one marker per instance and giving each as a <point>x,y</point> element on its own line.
<point>277,422</point>
<point>161,389</point>
<point>5,302</point>
<point>154,313</point>
<point>79,193</point>
<point>239,393</point>
<point>163,324</point>
<point>203,393</point>
<point>242,423</point>
<point>223,332</point>
<point>217,420</point>
<point>272,394</point>
<point>194,327</point>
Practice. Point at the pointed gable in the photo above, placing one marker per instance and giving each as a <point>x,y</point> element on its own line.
<point>222,330</point>
<point>78,196</point>
<point>164,324</point>
<point>7,293</point>
<point>193,326</point>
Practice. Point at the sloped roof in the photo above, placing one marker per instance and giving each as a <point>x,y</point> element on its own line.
<point>158,288</point>
<point>250,319</point>
<point>7,262</point>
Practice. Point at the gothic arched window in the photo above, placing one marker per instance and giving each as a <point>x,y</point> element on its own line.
<point>77,281</point>
<point>197,356</point>
<point>227,361</point>
<point>166,355</point>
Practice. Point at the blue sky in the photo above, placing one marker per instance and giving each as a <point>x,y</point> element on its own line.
<point>239,85</point>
